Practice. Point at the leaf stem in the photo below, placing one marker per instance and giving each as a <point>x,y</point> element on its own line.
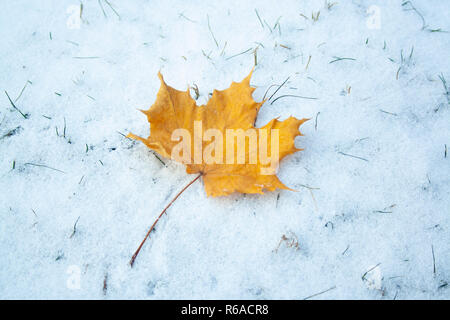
<point>157,219</point>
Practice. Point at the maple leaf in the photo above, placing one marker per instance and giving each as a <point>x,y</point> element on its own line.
<point>232,108</point>
<point>247,166</point>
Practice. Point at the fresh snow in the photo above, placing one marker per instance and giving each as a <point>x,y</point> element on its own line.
<point>370,219</point>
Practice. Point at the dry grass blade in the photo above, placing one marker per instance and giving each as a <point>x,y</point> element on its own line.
<point>284,82</point>
<point>14,106</point>
<point>293,96</point>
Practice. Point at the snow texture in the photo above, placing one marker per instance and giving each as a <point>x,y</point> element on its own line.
<point>371,216</point>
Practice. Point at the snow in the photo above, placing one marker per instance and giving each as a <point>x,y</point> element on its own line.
<point>373,227</point>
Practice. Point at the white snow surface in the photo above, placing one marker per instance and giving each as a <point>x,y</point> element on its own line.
<point>373,227</point>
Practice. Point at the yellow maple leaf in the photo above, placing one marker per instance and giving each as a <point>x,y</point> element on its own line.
<point>227,110</point>
<point>246,166</point>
